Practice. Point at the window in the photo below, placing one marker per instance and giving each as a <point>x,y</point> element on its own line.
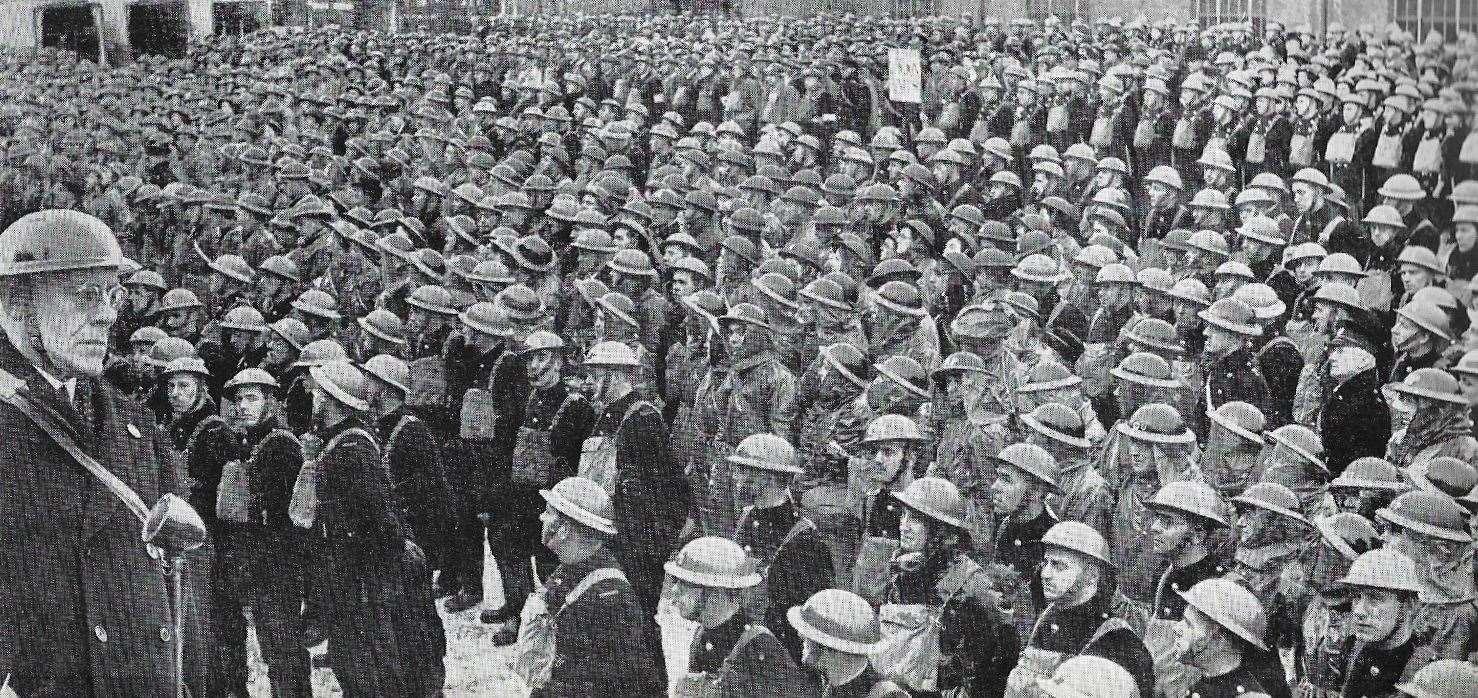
<point>1065,10</point>
<point>1213,12</point>
<point>1446,16</point>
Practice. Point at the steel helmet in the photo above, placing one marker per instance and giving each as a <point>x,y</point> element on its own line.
<point>1385,215</point>
<point>1302,441</point>
<point>343,382</point>
<point>1262,299</point>
<point>1339,294</point>
<point>1404,187</point>
<point>936,498</point>
<point>520,303</point>
<point>1444,475</point>
<point>233,266</point>
<point>766,452</point>
<point>391,370</point>
<point>251,376</point>
<point>1262,229</point>
<point>291,329</point>
<point>1433,384</point>
<point>1032,460</point>
<point>187,364</point>
<point>1157,423</point>
<point>1089,676</point>
<point>179,299</point>
<point>432,298</point>
<point>1191,290</point>
<point>1421,257</point>
<point>611,354</point>
<point>1167,175</point>
<point>1078,537</point>
<point>1340,263</point>
<point>244,318</point>
<point>542,340</point>
<point>1231,606</point>
<point>1236,269</point>
<point>1370,473</point>
<point>318,304</point>
<point>1155,333</point>
<point>147,335</point>
<point>1058,422</point>
<point>848,361</point>
<point>384,325</point>
<point>1430,514</point>
<point>1351,534</point>
<point>167,350</point>
<point>1144,368</point>
<point>584,502</point>
<point>958,363</point>
<point>1383,568</point>
<point>901,297</point>
<point>1272,497</point>
<point>906,372</point>
<point>1240,418</point>
<point>1193,498</point>
<point>1443,678</point>
<point>1429,317</point>
<point>714,562</point>
<point>57,240</point>
<point>1047,374</point>
<point>838,619</point>
<point>146,277</point>
<point>321,351</point>
<point>892,427</point>
<point>280,266</point>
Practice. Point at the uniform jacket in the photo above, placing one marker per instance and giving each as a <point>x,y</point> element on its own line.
<point>85,610</point>
<point>795,572</point>
<point>1229,378</point>
<point>1352,423</point>
<point>598,645</point>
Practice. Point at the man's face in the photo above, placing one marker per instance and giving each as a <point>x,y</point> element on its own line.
<point>74,312</point>
<point>913,532</point>
<point>1061,573</point>
<point>1415,278</point>
<point>1305,197</point>
<point>1168,532</point>
<point>1466,234</point>
<point>1220,341</point>
<point>751,484</point>
<point>1376,612</point>
<point>182,389</point>
<point>249,407</point>
<point>1009,491</point>
<point>886,462</point>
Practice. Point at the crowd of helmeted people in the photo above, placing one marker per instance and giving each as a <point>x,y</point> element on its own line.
<point>1132,360</point>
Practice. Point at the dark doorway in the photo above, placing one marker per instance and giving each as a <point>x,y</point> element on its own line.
<point>160,28</point>
<point>73,28</point>
<point>234,18</point>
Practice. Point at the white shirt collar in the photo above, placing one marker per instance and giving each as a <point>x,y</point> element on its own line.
<point>70,384</point>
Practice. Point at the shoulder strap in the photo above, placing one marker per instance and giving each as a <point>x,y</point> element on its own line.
<point>801,525</point>
<point>274,434</point>
<point>633,409</point>
<point>591,578</point>
<point>12,392</point>
<point>400,424</point>
<point>743,520</point>
<point>1104,628</point>
<point>751,633</point>
<point>353,431</point>
<point>1275,342</point>
<point>210,420</point>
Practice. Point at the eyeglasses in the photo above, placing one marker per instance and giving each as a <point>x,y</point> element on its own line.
<point>92,296</point>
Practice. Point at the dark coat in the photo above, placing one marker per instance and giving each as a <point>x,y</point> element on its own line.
<point>386,638</point>
<point>1234,377</point>
<point>85,610</point>
<point>598,642</point>
<point>422,497</point>
<point>1353,424</point>
<point>793,573</point>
